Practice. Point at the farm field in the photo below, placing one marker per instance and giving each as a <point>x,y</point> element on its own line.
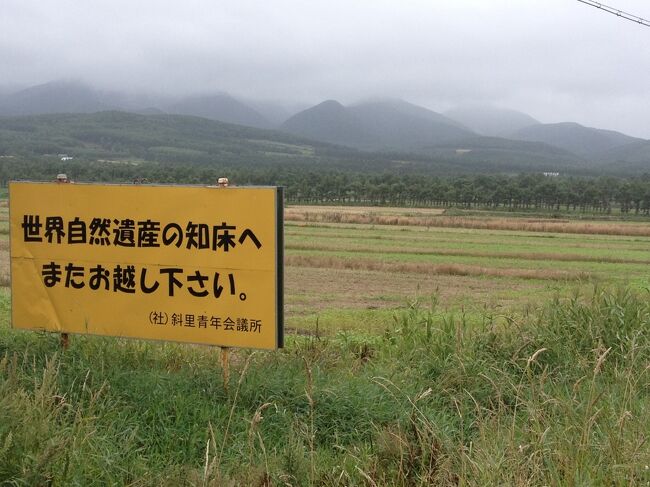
<point>349,276</point>
<point>422,349</point>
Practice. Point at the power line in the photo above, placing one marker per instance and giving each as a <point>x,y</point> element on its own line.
<point>617,12</point>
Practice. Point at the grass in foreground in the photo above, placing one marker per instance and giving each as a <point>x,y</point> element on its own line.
<point>558,397</point>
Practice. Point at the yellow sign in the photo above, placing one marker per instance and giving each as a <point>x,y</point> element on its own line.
<point>178,263</point>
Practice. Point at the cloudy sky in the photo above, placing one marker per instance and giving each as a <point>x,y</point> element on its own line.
<point>557,60</point>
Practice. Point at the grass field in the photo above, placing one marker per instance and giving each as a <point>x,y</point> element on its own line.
<point>422,349</point>
<point>349,276</point>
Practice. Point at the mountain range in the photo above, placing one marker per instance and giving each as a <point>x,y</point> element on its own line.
<point>583,141</point>
<point>490,121</point>
<point>377,125</point>
<point>391,125</point>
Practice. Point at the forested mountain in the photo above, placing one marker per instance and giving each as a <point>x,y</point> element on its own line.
<point>169,148</point>
<point>130,139</point>
<point>221,107</point>
<point>122,136</point>
<point>379,125</point>
<point>510,154</point>
<point>583,141</point>
<point>394,125</point>
<point>491,121</point>
<point>410,109</point>
<point>330,122</point>
<point>629,158</point>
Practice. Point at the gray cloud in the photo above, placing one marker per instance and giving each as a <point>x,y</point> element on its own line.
<point>555,59</point>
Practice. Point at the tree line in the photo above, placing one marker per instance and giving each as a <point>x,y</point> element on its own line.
<point>313,186</point>
<point>526,191</point>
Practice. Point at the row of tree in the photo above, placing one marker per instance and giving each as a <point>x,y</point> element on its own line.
<point>303,185</point>
<point>485,191</point>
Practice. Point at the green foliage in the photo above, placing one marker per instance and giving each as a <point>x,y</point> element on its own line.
<point>560,398</point>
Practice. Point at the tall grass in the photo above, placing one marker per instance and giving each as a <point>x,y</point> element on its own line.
<point>331,262</point>
<point>454,252</point>
<point>481,223</point>
<point>558,397</point>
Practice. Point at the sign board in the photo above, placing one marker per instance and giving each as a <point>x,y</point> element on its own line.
<point>179,263</point>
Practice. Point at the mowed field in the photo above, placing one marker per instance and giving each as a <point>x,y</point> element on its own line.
<point>345,275</point>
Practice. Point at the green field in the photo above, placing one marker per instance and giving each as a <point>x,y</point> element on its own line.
<point>351,276</point>
<point>419,352</point>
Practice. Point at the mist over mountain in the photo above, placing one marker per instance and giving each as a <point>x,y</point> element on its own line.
<point>7,89</point>
<point>55,97</point>
<point>375,125</point>
<point>584,141</point>
<point>221,107</point>
<point>65,96</point>
<point>148,111</point>
<point>276,112</point>
<point>76,97</point>
<point>410,109</point>
<point>491,121</point>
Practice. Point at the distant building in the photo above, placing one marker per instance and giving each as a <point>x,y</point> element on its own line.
<point>551,174</point>
<point>66,157</point>
<point>463,151</point>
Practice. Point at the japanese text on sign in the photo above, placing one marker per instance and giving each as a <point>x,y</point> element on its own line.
<point>158,262</point>
<point>129,233</point>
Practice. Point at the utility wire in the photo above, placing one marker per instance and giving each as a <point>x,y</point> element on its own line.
<point>617,12</point>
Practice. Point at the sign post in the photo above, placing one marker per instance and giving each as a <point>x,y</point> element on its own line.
<point>177,263</point>
<point>65,338</point>
<point>225,351</point>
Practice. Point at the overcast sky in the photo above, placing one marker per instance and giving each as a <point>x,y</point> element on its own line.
<point>558,60</point>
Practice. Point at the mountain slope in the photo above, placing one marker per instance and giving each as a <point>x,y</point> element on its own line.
<point>113,141</point>
<point>510,154</point>
<point>491,121</point>
<point>220,107</point>
<point>54,97</point>
<point>129,136</point>
<point>381,125</point>
<point>330,122</point>
<point>629,158</point>
<point>410,109</point>
<point>584,141</point>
